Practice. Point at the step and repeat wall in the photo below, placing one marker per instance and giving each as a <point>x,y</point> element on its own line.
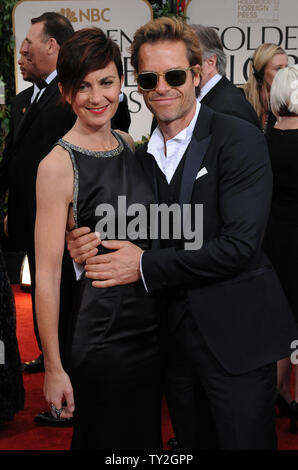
<point>118,18</point>
<point>245,24</point>
<point>242,25</point>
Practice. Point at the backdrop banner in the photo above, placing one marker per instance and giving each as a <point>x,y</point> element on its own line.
<point>118,19</point>
<point>245,24</point>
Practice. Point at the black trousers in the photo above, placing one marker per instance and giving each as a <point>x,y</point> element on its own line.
<point>210,408</point>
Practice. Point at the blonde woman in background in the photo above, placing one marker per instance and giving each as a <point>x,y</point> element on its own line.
<point>266,61</point>
<point>281,241</point>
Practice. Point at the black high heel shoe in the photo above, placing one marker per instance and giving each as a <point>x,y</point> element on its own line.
<point>293,417</point>
<point>283,406</point>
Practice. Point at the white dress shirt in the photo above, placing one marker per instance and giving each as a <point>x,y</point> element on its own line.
<point>210,84</point>
<point>36,90</point>
<point>176,147</point>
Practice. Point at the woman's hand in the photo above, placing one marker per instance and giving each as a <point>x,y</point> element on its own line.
<point>57,389</point>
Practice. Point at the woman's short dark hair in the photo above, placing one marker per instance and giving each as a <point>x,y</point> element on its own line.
<point>89,49</point>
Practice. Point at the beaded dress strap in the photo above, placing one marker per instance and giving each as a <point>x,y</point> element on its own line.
<point>94,153</point>
<point>67,146</point>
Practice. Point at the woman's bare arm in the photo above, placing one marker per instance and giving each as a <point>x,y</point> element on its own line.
<point>54,190</point>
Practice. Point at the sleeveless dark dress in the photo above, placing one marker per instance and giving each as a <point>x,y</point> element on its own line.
<point>116,368</point>
<point>281,240</point>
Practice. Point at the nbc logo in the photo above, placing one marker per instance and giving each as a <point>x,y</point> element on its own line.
<point>90,14</point>
<point>70,15</point>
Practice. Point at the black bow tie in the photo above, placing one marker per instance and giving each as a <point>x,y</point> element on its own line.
<point>41,84</point>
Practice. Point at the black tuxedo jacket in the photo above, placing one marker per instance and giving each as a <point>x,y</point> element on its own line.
<point>33,132</point>
<point>18,106</point>
<point>228,284</point>
<point>226,98</point>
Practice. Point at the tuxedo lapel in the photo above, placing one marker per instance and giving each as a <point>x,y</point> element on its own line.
<point>195,154</point>
<point>22,104</point>
<point>24,123</point>
<point>149,167</point>
<point>19,111</point>
<point>49,93</point>
<point>32,110</point>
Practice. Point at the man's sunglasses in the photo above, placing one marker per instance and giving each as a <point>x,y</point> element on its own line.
<point>175,77</point>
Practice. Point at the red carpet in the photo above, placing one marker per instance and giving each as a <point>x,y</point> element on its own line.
<point>23,434</point>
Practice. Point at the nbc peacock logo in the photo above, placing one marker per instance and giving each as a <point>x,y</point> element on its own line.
<point>70,14</point>
<point>92,15</point>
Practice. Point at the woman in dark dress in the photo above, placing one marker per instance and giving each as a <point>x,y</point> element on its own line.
<point>11,381</point>
<point>281,241</point>
<point>113,383</point>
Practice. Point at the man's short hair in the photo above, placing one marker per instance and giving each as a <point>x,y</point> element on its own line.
<point>166,29</point>
<point>55,26</point>
<point>211,45</point>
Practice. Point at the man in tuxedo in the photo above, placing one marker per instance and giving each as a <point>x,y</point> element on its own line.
<point>38,120</point>
<point>216,91</point>
<point>17,112</point>
<point>226,318</point>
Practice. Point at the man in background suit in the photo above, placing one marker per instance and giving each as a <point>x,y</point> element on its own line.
<point>38,120</point>
<point>18,107</point>
<point>216,90</point>
<point>227,319</point>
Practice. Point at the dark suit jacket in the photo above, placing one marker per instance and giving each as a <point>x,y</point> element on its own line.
<point>31,137</point>
<point>228,285</point>
<point>226,98</point>
<point>18,106</point>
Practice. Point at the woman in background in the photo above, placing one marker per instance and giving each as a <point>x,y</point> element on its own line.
<point>11,380</point>
<point>281,241</point>
<point>113,385</point>
<point>266,61</point>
